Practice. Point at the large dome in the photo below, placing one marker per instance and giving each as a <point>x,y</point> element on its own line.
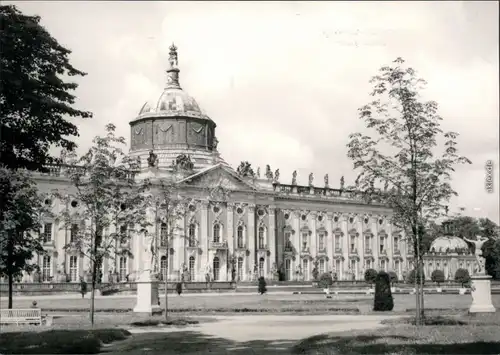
<point>448,244</point>
<point>172,102</point>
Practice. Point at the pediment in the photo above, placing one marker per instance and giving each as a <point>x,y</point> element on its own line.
<point>218,178</point>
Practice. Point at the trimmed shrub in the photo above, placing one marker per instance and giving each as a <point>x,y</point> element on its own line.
<point>178,288</point>
<point>325,280</point>
<point>437,276</point>
<point>414,276</point>
<point>262,285</point>
<point>393,277</point>
<point>370,276</point>
<point>315,273</point>
<point>462,276</point>
<point>383,300</point>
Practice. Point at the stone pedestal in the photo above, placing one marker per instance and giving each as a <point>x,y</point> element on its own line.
<point>481,295</point>
<point>147,295</point>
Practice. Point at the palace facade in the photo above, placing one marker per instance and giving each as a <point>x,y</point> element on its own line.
<point>236,220</point>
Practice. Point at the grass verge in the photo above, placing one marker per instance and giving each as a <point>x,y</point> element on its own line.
<point>78,341</point>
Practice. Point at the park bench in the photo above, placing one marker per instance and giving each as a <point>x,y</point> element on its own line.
<point>21,316</point>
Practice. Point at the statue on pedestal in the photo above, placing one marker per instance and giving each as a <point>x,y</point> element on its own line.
<point>258,172</point>
<point>326,180</point>
<point>152,159</point>
<point>294,177</point>
<point>269,173</point>
<point>478,243</point>
<point>342,183</point>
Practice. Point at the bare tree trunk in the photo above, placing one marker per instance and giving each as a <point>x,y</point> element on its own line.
<point>166,292</point>
<point>11,286</point>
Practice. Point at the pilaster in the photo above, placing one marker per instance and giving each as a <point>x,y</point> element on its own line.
<point>361,247</point>
<point>204,239</point>
<point>272,238</point>
<point>296,241</point>
<point>330,240</point>
<point>375,241</point>
<point>230,238</point>
<point>251,240</point>
<point>389,247</point>
<point>313,224</point>
<point>345,245</point>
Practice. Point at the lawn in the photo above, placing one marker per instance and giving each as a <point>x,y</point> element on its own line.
<point>266,303</point>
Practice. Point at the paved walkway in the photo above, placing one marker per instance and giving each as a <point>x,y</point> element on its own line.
<point>275,327</point>
<point>162,296</point>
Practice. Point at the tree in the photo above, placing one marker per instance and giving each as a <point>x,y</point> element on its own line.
<point>325,280</point>
<point>462,276</point>
<point>21,211</point>
<point>417,277</point>
<point>383,300</point>
<point>393,277</point>
<point>35,100</point>
<point>106,198</point>
<point>169,207</point>
<point>371,276</point>
<point>262,285</point>
<point>402,159</point>
<point>437,276</point>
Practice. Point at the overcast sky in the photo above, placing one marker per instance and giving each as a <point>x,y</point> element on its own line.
<point>283,81</point>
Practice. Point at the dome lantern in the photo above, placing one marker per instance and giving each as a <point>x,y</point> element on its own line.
<point>173,70</point>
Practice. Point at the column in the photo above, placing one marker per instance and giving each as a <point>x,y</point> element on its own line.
<point>330,240</point>
<point>272,239</point>
<point>204,234</point>
<point>230,237</point>
<point>251,240</point>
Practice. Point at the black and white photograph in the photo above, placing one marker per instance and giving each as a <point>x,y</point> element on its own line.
<point>249,177</point>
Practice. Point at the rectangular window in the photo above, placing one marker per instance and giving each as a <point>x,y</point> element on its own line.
<point>368,264</point>
<point>338,267</point>
<point>353,244</point>
<point>46,268</point>
<point>163,234</point>
<point>368,246</point>
<point>382,265</point>
<point>322,266</point>
<point>73,268</point>
<point>305,269</point>
<point>337,242</point>
<point>123,269</point>
<point>321,241</point>
<point>47,232</point>
<point>382,242</point>
<point>396,244</point>
<point>288,242</point>
<point>305,236</point>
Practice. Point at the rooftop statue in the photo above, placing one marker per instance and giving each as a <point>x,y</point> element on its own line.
<point>342,182</point>
<point>326,180</point>
<point>258,172</point>
<point>311,179</point>
<point>269,173</point>
<point>277,175</point>
<point>294,177</point>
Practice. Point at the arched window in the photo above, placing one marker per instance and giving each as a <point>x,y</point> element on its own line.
<point>305,269</point>
<point>239,233</point>
<point>123,269</point>
<point>261,267</point>
<point>261,238</point>
<point>164,267</point>
<point>163,234</point>
<point>322,266</point>
<point>383,265</point>
<point>216,233</point>
<point>192,235</point>
<point>192,268</point>
<point>46,268</point>
<point>216,269</point>
<point>240,268</point>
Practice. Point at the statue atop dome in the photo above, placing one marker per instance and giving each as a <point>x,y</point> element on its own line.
<point>172,59</point>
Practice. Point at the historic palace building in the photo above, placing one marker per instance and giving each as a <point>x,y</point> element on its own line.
<point>239,223</point>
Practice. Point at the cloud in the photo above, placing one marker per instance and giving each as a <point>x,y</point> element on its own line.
<point>283,81</point>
